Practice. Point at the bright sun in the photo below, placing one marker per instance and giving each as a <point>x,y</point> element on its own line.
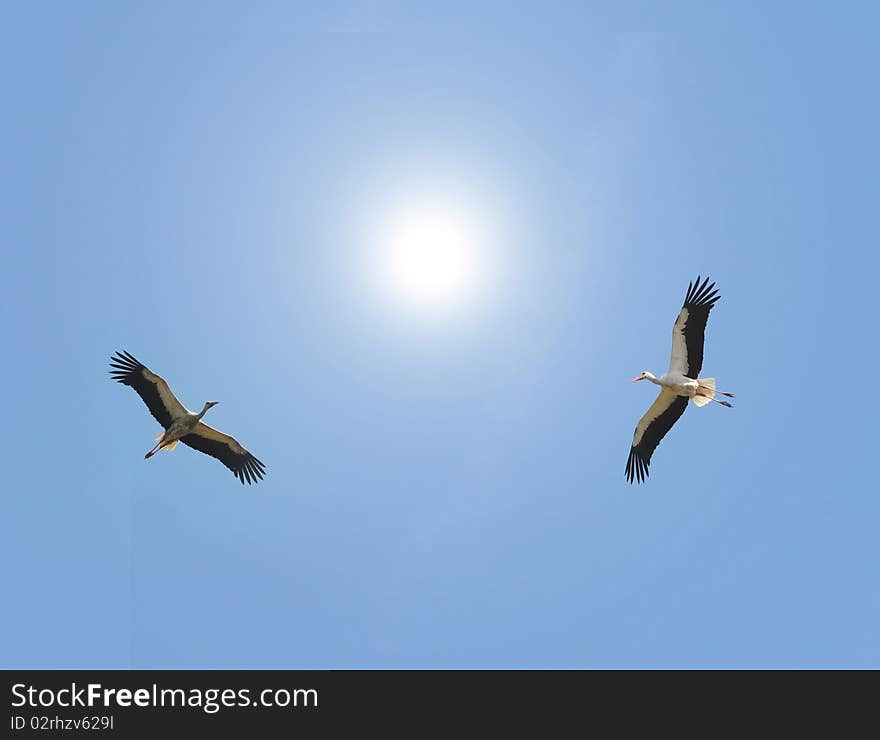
<point>433,258</point>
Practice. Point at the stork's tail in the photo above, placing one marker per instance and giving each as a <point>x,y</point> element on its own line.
<point>705,391</point>
<point>159,446</point>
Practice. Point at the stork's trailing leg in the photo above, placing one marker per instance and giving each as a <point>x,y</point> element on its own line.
<point>160,441</point>
<point>711,392</point>
<point>706,387</point>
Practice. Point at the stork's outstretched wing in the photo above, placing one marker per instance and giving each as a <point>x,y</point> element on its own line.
<point>690,329</point>
<point>152,388</point>
<point>227,450</point>
<point>652,427</point>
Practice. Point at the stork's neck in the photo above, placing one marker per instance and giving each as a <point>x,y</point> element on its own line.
<point>204,410</point>
<point>650,376</point>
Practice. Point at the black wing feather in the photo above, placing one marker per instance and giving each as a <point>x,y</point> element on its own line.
<point>129,371</point>
<point>244,467</point>
<point>698,302</point>
<point>640,454</point>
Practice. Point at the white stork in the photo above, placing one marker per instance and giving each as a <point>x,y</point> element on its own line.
<point>181,424</point>
<point>680,382</point>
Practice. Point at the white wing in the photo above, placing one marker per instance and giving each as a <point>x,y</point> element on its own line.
<point>678,363</point>
<point>652,427</point>
<point>227,450</point>
<point>152,388</point>
<point>689,330</point>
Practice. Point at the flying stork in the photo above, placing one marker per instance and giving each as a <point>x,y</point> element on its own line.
<point>181,424</point>
<point>680,382</point>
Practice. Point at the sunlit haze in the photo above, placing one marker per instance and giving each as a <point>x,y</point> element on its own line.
<point>431,259</point>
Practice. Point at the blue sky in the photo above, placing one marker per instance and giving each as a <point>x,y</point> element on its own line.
<point>205,187</point>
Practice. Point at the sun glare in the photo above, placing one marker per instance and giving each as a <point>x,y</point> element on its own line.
<point>432,258</point>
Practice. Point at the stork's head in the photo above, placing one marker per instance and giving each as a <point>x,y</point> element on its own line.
<point>644,375</point>
<point>210,404</point>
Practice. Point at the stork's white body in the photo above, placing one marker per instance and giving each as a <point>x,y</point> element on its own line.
<point>183,424</point>
<point>677,382</point>
<point>681,385</point>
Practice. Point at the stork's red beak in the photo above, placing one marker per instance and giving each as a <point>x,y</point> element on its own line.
<point>638,377</point>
